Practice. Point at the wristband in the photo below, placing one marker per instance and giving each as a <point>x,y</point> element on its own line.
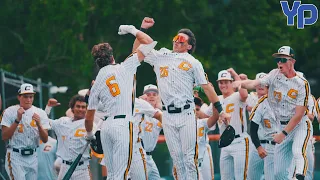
<point>16,121</point>
<point>284,132</point>
<point>143,29</point>
<point>218,106</point>
<point>48,109</point>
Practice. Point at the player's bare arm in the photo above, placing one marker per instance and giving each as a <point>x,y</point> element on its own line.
<point>147,22</point>
<point>89,120</point>
<point>246,84</point>
<point>146,42</point>
<point>158,116</point>
<point>300,111</point>
<point>51,103</point>
<point>243,92</point>
<point>213,119</point>
<point>7,132</point>
<point>43,133</point>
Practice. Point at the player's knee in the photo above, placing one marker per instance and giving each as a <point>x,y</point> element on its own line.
<point>57,165</point>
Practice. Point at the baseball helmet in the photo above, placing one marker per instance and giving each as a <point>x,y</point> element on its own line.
<point>227,137</point>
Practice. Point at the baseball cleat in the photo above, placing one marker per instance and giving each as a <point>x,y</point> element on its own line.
<point>147,48</point>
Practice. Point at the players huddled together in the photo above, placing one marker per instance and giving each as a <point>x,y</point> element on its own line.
<point>108,122</point>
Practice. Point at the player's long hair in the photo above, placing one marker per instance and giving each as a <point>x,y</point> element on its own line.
<point>102,54</point>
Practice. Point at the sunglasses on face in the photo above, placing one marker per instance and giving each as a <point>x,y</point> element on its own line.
<point>179,39</point>
<point>282,60</point>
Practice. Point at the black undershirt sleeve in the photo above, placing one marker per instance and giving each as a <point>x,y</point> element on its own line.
<point>254,134</point>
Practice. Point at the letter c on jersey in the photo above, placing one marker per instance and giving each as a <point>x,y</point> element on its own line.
<point>293,93</point>
<point>228,108</point>
<point>185,66</point>
<point>80,133</point>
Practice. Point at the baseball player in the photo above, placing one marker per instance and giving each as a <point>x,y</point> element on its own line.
<point>262,115</point>
<point>234,158</point>
<point>46,157</point>
<point>114,90</point>
<point>71,139</point>
<point>256,163</point>
<point>24,125</point>
<point>205,155</point>
<point>288,97</point>
<point>151,128</point>
<point>177,72</point>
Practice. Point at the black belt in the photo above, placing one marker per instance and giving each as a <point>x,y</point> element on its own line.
<point>237,136</point>
<point>24,152</point>
<point>267,142</point>
<point>149,153</point>
<point>284,122</point>
<point>172,109</point>
<point>115,117</point>
<point>69,163</point>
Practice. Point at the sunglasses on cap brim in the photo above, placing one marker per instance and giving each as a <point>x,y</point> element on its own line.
<point>282,60</point>
<point>180,39</point>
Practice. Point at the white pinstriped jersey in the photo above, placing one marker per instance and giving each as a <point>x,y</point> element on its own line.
<point>252,101</point>
<point>26,136</point>
<point>113,88</point>
<point>232,105</point>
<point>150,127</point>
<point>176,73</point>
<point>46,156</point>
<point>60,138</point>
<point>71,138</point>
<point>312,102</point>
<point>203,140</point>
<point>286,93</point>
<point>263,115</point>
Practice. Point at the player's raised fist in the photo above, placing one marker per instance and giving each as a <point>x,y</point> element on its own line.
<point>236,84</point>
<point>147,23</point>
<point>243,76</point>
<point>53,102</point>
<point>36,118</point>
<point>19,113</point>
<point>231,71</point>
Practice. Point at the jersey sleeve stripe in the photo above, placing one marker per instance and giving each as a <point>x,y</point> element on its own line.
<point>317,106</point>
<point>306,84</point>
<point>255,107</point>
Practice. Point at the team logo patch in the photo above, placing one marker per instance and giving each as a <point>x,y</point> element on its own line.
<point>293,93</point>
<point>185,66</point>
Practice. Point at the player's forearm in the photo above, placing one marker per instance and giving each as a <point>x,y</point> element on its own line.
<point>210,92</point>
<point>158,116</point>
<point>294,121</point>
<point>254,134</point>
<point>141,38</point>
<point>43,133</point>
<point>89,120</point>
<point>7,132</point>
<point>249,84</point>
<point>213,119</point>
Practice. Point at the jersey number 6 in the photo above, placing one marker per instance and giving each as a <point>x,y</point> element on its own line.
<point>113,87</point>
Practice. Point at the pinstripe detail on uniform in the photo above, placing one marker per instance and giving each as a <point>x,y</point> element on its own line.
<point>241,119</point>
<point>196,153</point>
<point>255,107</point>
<point>304,148</point>
<point>211,163</point>
<point>130,150</point>
<point>10,166</point>
<point>247,159</point>
<point>144,163</point>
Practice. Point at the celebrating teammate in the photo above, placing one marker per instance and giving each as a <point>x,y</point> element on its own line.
<point>71,139</point>
<point>233,158</point>
<point>288,98</point>
<point>114,89</point>
<point>24,125</point>
<point>177,72</point>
